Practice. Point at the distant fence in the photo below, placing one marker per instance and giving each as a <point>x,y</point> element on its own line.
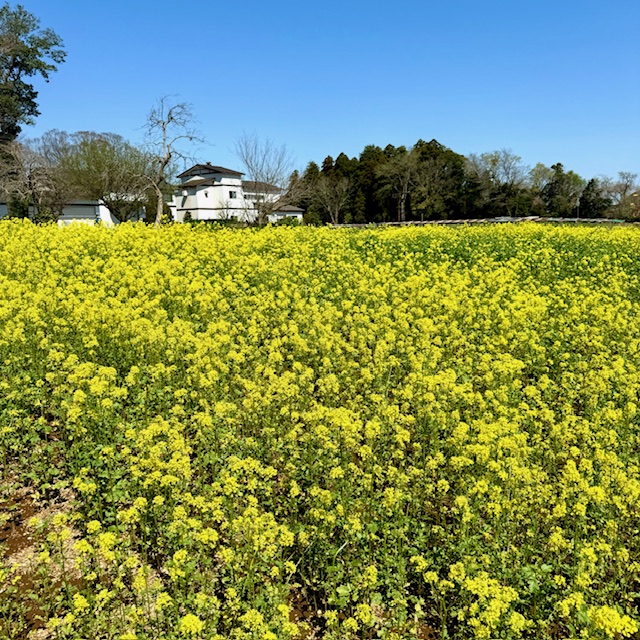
<point>498,220</point>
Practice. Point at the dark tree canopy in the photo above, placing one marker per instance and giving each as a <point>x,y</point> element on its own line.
<point>561,194</point>
<point>593,201</point>
<point>26,51</point>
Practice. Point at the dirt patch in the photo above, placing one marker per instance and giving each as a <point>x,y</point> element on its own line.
<point>19,546</point>
<point>426,632</point>
<point>17,539</point>
<point>308,620</point>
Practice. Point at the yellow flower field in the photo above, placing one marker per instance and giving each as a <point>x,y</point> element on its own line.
<point>320,433</point>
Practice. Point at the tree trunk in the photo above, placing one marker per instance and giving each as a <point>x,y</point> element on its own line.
<point>159,206</point>
<point>401,208</point>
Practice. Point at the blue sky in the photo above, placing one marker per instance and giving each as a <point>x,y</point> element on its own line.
<point>554,81</point>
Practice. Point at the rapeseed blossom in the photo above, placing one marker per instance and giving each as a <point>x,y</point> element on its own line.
<point>377,433</point>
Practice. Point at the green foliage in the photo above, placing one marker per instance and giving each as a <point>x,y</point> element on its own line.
<point>17,208</point>
<point>562,192</point>
<point>593,202</point>
<point>104,166</point>
<point>25,51</point>
<point>440,181</point>
<point>288,222</point>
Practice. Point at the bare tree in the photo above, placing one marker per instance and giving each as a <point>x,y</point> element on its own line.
<point>169,125</point>
<point>14,185</point>
<point>13,171</point>
<point>35,174</point>
<point>502,176</point>
<point>623,194</point>
<point>57,189</point>
<point>268,170</point>
<point>431,183</point>
<point>399,176</point>
<point>505,168</point>
<point>227,210</point>
<point>331,193</point>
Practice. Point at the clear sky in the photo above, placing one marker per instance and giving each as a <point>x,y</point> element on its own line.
<point>554,81</point>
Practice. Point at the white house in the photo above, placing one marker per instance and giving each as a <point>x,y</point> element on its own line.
<point>86,211</point>
<point>209,192</point>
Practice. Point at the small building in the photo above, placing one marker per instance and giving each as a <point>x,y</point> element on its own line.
<point>286,212</point>
<point>84,211</point>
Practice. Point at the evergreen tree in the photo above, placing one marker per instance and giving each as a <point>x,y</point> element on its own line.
<point>327,165</point>
<point>25,51</point>
<point>439,183</point>
<point>368,205</point>
<point>593,202</point>
<point>562,192</point>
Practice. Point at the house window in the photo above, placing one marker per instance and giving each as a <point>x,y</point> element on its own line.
<point>233,195</point>
<point>206,194</point>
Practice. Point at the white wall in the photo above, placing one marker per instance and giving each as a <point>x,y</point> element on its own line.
<point>211,202</point>
<point>85,211</point>
<point>277,217</point>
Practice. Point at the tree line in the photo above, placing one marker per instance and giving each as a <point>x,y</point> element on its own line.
<point>39,177</point>
<point>430,181</point>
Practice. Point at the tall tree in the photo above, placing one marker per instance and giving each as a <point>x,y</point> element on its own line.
<point>331,193</point>
<point>26,51</point>
<point>562,193</point>
<point>537,179</point>
<point>169,126</point>
<point>368,205</point>
<point>439,182</point>
<point>345,166</point>
<point>104,166</point>
<point>593,202</point>
<point>314,214</point>
<point>398,177</point>
<point>503,176</point>
<point>269,166</point>
<point>327,165</point>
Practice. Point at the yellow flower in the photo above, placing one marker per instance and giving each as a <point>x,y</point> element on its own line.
<point>252,620</point>
<point>80,603</point>
<point>163,600</point>
<point>191,625</point>
<point>611,622</point>
<point>93,526</point>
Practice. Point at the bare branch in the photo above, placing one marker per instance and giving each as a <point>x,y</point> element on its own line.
<point>271,165</point>
<point>331,192</point>
<point>168,125</point>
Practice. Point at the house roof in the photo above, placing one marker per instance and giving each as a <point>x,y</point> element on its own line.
<point>255,186</point>
<point>289,208</point>
<point>209,168</point>
<point>197,182</point>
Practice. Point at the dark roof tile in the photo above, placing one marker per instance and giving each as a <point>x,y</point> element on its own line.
<point>209,168</point>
